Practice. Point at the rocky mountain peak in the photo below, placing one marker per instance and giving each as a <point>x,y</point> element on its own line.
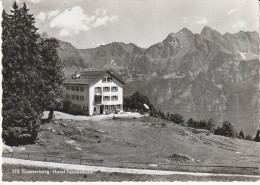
<point>208,32</point>
<point>183,34</point>
<point>185,31</point>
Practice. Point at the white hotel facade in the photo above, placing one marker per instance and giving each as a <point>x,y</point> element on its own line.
<point>93,92</point>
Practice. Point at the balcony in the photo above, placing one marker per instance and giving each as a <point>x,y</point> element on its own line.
<point>98,91</point>
<point>98,99</point>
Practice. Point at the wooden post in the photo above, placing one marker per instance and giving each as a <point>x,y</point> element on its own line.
<point>12,154</point>
<point>101,161</point>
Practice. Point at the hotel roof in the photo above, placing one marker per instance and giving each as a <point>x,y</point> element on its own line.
<point>88,77</point>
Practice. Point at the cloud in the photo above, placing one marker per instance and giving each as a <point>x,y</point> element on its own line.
<point>231,11</point>
<point>74,20</point>
<point>239,24</point>
<point>194,20</point>
<point>53,13</point>
<point>41,16</point>
<point>105,20</point>
<point>64,33</point>
<point>101,12</point>
<point>99,43</point>
<point>35,1</point>
<point>202,21</point>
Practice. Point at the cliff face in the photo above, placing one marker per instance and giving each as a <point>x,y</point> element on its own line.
<point>206,75</point>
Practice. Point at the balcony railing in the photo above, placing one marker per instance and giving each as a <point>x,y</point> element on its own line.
<point>98,91</point>
<point>98,99</point>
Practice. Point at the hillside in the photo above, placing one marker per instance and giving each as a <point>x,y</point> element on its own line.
<point>197,75</point>
<point>141,140</point>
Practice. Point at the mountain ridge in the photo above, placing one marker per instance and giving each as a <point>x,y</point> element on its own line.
<point>174,73</point>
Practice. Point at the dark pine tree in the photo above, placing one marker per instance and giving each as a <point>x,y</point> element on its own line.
<point>257,136</point>
<point>51,73</point>
<point>241,135</point>
<point>24,66</point>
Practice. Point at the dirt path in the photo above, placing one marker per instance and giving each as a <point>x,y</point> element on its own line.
<point>61,115</point>
<point>109,170</point>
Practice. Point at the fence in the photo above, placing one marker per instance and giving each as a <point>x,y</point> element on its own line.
<point>55,158</point>
<point>138,165</point>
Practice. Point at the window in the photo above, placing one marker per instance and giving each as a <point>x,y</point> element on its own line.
<point>106,89</point>
<point>98,90</point>
<point>73,97</point>
<point>112,107</point>
<point>106,107</point>
<point>118,107</point>
<point>85,107</point>
<point>67,96</point>
<point>81,98</point>
<point>114,98</point>
<point>106,98</point>
<point>109,79</point>
<point>72,88</point>
<point>94,108</point>
<point>104,80</point>
<point>77,97</point>
<point>114,89</point>
<point>81,89</point>
<point>68,87</point>
<point>77,88</point>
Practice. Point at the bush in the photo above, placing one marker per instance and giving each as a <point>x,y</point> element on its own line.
<point>202,124</point>
<point>136,103</point>
<point>227,130</point>
<point>249,138</point>
<point>177,118</point>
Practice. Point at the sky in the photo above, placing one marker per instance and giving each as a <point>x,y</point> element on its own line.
<point>91,23</point>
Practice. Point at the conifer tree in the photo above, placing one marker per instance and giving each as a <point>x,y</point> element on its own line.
<point>29,76</point>
<point>257,136</point>
<point>52,74</point>
<point>241,134</point>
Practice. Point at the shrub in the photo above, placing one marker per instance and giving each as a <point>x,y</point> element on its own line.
<point>177,118</point>
<point>202,124</point>
<point>227,130</point>
<point>249,138</point>
<point>136,102</point>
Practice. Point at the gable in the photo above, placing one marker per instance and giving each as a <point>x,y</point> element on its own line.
<point>108,75</point>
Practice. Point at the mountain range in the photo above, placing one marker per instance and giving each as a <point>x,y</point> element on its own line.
<point>200,76</point>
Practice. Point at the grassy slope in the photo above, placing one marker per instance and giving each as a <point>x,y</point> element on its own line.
<point>148,140</point>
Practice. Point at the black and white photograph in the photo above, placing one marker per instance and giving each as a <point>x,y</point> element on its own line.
<point>130,91</point>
